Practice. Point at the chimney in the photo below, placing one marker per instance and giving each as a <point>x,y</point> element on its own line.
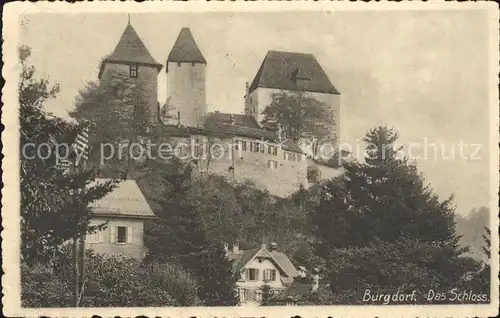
<point>315,275</point>
<point>226,249</point>
<point>279,133</point>
<point>273,246</point>
<point>178,119</point>
<point>231,119</point>
<point>236,248</point>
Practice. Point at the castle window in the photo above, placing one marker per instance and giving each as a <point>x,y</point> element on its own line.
<point>133,70</point>
<point>271,164</point>
<point>256,147</point>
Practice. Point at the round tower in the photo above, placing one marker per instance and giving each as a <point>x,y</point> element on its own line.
<point>185,69</point>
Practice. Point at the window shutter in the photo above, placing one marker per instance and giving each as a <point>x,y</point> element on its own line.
<point>129,235</point>
<point>112,236</point>
<point>256,274</point>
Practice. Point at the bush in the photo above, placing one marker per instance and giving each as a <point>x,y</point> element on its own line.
<point>109,282</point>
<point>39,288</point>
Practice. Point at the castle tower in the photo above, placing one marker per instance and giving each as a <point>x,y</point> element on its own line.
<point>186,80</point>
<point>132,61</point>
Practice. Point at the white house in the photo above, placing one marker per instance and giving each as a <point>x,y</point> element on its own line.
<point>259,266</point>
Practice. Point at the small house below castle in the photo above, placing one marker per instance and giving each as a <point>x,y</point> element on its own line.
<point>125,209</point>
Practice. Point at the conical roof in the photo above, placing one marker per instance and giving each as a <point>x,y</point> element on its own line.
<point>131,49</point>
<point>185,49</point>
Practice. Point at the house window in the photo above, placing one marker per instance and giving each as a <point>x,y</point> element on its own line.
<point>270,275</point>
<point>247,295</point>
<point>252,274</point>
<point>192,64</point>
<point>244,145</point>
<point>121,234</point>
<point>271,164</point>
<point>299,157</point>
<point>179,64</point>
<point>133,70</point>
<point>262,146</point>
<point>284,155</point>
<point>94,237</point>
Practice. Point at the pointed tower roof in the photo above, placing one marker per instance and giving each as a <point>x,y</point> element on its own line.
<point>282,69</point>
<point>130,49</point>
<point>185,49</point>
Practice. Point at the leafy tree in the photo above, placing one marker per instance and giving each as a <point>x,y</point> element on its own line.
<point>299,115</point>
<point>217,279</point>
<point>54,205</point>
<point>117,108</point>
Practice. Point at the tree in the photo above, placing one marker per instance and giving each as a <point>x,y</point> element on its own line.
<point>299,115</point>
<point>487,240</point>
<point>267,295</point>
<point>54,205</point>
<point>217,279</point>
<point>110,282</point>
<point>385,197</point>
<point>117,107</point>
<point>400,267</point>
<point>118,110</point>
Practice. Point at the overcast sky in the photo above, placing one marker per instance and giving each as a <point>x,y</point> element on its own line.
<point>425,73</point>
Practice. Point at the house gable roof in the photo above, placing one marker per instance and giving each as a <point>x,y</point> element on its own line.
<point>130,49</point>
<point>126,200</point>
<point>279,259</point>
<point>185,49</point>
<point>292,71</point>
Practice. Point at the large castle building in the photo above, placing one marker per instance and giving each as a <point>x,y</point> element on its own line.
<point>238,146</point>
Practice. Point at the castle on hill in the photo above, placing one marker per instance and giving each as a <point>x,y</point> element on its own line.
<point>248,151</point>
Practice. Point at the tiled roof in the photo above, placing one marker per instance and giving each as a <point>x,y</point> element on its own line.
<point>185,49</point>
<point>280,259</point>
<point>239,119</point>
<point>125,200</point>
<point>130,49</point>
<point>254,133</point>
<point>226,130</point>
<point>282,69</point>
<point>178,131</point>
<point>285,263</point>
